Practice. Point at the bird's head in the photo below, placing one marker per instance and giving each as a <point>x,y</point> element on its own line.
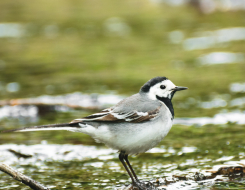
<point>160,87</point>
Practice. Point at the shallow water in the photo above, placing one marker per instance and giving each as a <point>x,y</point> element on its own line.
<point>90,167</point>
<point>55,63</point>
<point>193,146</point>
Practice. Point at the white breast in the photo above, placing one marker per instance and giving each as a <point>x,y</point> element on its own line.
<point>133,138</point>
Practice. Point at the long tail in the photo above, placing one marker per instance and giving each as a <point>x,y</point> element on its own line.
<point>62,126</point>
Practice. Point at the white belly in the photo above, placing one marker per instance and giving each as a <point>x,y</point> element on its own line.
<point>133,138</point>
<point>140,139</point>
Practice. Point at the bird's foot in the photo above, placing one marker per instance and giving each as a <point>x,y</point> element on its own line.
<point>143,185</point>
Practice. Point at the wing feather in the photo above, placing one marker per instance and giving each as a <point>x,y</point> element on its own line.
<point>109,115</point>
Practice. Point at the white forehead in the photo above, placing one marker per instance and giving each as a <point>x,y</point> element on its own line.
<point>167,83</point>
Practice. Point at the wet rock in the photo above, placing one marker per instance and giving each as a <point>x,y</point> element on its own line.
<point>230,171</point>
<point>143,185</point>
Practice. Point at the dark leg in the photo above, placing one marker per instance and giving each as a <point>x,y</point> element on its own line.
<point>130,167</point>
<point>121,158</point>
<point>135,181</point>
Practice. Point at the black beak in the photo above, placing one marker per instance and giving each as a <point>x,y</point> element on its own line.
<point>178,88</point>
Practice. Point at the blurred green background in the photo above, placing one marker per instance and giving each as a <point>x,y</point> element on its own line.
<point>91,46</point>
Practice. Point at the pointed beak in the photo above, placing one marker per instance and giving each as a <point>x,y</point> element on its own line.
<point>178,88</point>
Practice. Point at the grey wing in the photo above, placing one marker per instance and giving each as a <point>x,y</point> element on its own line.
<point>134,109</point>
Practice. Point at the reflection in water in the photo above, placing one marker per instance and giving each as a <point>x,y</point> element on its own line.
<point>237,87</point>
<point>221,58</point>
<point>240,102</point>
<point>31,114</point>
<point>51,161</point>
<point>215,103</point>
<point>43,152</point>
<point>209,39</point>
<point>13,87</point>
<point>220,118</point>
<point>11,30</point>
<point>77,99</point>
<point>29,110</point>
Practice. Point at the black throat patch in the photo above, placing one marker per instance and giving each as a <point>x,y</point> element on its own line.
<point>168,103</point>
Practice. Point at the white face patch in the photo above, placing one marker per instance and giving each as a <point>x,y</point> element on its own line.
<point>157,91</point>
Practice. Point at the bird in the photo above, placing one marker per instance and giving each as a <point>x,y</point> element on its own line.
<point>134,125</point>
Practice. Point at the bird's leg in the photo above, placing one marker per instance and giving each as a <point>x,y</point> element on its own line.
<point>130,167</point>
<point>121,158</point>
<point>124,157</point>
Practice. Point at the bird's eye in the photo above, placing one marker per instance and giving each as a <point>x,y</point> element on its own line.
<point>162,86</point>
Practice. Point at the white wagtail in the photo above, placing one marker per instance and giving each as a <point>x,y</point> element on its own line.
<point>134,125</point>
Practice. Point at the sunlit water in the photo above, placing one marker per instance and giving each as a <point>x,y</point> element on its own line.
<point>70,166</point>
<point>58,51</point>
<point>90,167</point>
